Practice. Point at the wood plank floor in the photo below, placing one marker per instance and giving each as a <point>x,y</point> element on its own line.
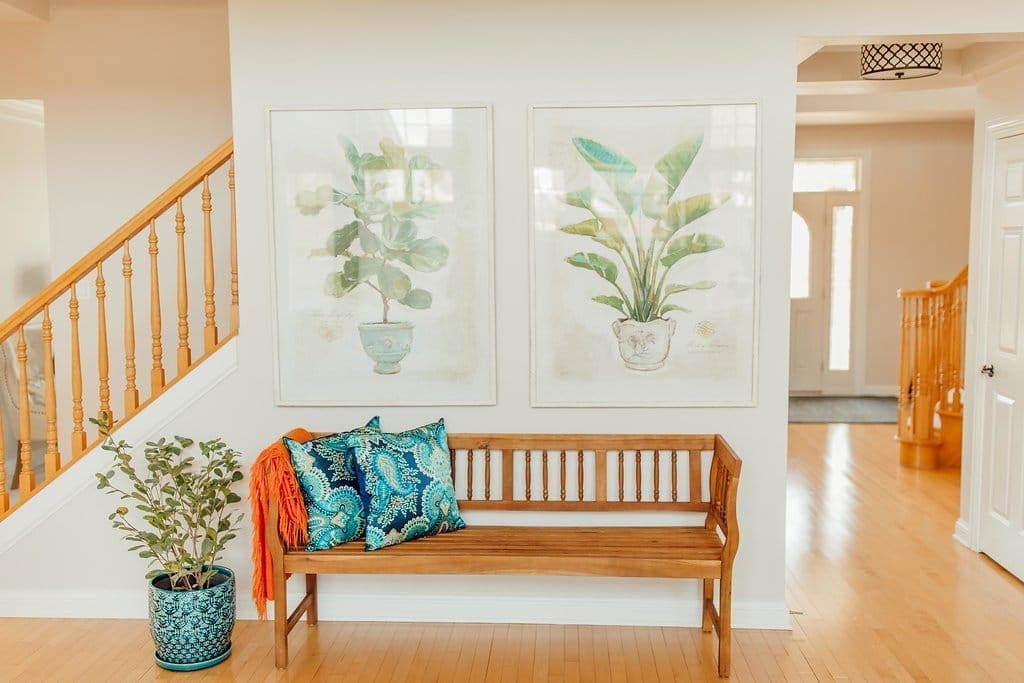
<point>879,588</point>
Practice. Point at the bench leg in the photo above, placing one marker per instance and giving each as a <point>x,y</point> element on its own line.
<point>725,620</point>
<point>707,594</point>
<point>280,619</point>
<point>311,611</point>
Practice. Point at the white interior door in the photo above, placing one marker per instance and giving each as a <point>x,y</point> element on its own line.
<point>808,292</point>
<point>1002,390</point>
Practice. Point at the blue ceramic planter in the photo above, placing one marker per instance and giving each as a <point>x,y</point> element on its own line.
<point>387,344</point>
<point>192,629</point>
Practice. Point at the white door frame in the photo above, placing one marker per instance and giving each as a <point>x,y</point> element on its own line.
<point>968,527</point>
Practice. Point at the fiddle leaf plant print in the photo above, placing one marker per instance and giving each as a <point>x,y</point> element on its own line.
<point>644,232</point>
<point>382,247</point>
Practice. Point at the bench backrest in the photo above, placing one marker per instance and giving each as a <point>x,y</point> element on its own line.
<point>598,473</point>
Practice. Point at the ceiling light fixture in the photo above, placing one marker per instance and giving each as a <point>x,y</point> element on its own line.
<point>900,61</point>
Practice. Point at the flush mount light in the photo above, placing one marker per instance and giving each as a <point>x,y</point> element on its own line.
<point>900,61</point>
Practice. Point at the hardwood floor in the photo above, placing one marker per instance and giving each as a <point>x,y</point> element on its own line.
<point>879,589</point>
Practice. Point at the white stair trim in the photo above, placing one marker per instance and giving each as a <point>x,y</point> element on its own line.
<point>141,428</point>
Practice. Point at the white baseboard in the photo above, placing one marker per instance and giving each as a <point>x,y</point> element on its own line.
<point>505,609</point>
<point>141,428</point>
<point>962,534</point>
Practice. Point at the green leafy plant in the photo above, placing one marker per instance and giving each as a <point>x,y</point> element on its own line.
<point>185,501</point>
<point>643,226</point>
<point>382,243</point>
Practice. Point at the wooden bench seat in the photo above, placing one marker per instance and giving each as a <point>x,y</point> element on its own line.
<point>572,473</point>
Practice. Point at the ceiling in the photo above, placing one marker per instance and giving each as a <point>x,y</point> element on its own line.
<point>830,90</point>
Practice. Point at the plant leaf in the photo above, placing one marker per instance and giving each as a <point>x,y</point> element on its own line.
<point>394,154</point>
<point>697,243</point>
<point>341,239</point>
<point>682,213</point>
<point>337,285</point>
<point>369,242</point>
<point>618,171</point>
<point>703,284</point>
<point>596,263</point>
<point>351,153</point>
<point>361,268</point>
<point>393,282</point>
<point>613,301</point>
<point>604,231</point>
<point>417,298</point>
<point>581,198</point>
<point>671,307</point>
<point>426,255</point>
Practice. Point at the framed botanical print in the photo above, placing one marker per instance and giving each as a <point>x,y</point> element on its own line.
<point>644,243</point>
<point>383,241</point>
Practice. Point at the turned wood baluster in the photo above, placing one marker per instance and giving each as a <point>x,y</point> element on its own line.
<point>639,480</point>
<point>156,375</point>
<point>905,389</point>
<point>51,459</point>
<point>234,249</point>
<point>544,472</point>
<point>675,477</point>
<point>469,474</point>
<point>601,476</point>
<point>184,352</point>
<point>5,497</point>
<point>27,479</point>
<point>579,475</point>
<point>487,474</point>
<point>561,478</point>
<point>657,476</point>
<point>77,413</point>
<point>695,492</point>
<point>103,359</point>
<point>529,476</point>
<point>210,307</point>
<point>622,476</point>
<point>131,391</point>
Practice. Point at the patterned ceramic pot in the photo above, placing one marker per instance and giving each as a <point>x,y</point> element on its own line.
<point>644,346</point>
<point>192,629</point>
<point>387,344</point>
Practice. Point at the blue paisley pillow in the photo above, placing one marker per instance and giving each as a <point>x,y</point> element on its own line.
<point>406,483</point>
<point>326,471</point>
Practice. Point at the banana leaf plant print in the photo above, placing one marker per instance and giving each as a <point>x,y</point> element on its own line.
<point>383,254</point>
<point>651,213</point>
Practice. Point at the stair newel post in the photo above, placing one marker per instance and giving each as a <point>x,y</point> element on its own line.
<point>131,391</point>
<point>77,413</point>
<point>184,352</point>
<point>103,355</point>
<point>5,497</point>
<point>233,247</point>
<point>27,477</point>
<point>156,376</point>
<point>210,306</point>
<point>51,459</point>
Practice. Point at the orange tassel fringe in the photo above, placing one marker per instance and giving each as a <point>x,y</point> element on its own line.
<point>272,471</point>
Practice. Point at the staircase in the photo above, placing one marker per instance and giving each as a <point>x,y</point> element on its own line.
<point>71,352</point>
<point>930,419</point>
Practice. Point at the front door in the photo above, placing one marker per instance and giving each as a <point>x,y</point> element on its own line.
<point>1002,388</point>
<point>808,292</point>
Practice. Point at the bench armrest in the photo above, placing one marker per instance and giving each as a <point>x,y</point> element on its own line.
<point>724,480</point>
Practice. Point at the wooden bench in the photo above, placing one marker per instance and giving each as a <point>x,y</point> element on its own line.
<point>559,473</point>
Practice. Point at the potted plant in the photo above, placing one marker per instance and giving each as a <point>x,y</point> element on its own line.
<point>185,517</point>
<point>646,232</point>
<point>382,245</point>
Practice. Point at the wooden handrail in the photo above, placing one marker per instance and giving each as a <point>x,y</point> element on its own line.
<point>115,242</point>
<point>45,375</point>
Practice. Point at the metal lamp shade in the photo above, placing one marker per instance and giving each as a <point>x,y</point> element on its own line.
<point>900,61</point>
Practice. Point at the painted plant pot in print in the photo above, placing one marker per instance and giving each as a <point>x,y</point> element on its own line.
<point>387,344</point>
<point>644,346</point>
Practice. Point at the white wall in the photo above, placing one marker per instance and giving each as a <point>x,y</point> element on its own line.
<point>24,228</point>
<point>510,54</point>
<point>1000,97</point>
<point>917,219</point>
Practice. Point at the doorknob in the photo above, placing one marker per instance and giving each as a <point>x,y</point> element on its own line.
<point>988,369</point>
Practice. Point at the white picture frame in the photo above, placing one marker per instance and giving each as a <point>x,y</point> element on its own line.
<point>398,309</point>
<point>579,346</point>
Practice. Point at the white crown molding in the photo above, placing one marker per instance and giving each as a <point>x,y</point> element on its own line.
<point>29,112</point>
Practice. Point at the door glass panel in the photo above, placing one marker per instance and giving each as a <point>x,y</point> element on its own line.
<point>841,296</point>
<point>800,259</point>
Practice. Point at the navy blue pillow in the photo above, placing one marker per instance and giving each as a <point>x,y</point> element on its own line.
<point>326,470</point>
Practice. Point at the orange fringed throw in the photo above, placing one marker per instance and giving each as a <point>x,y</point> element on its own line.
<point>272,471</point>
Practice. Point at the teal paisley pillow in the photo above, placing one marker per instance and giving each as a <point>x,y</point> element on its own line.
<point>406,483</point>
<point>326,471</point>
